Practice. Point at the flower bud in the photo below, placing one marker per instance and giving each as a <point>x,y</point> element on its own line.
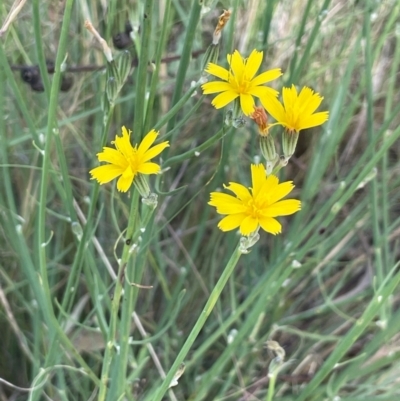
<point>112,89</point>
<point>124,67</point>
<point>142,185</point>
<point>267,144</point>
<point>105,106</point>
<point>211,56</point>
<point>289,142</point>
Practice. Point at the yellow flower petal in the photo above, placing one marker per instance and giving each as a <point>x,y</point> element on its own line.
<point>289,96</point>
<point>268,190</point>
<point>315,120</point>
<point>237,65</point>
<point>247,104</point>
<point>275,108</point>
<point>309,101</point>
<point>226,204</point>
<point>123,144</point>
<point>215,87</point>
<point>266,76</point>
<point>258,177</point>
<point>112,156</point>
<point>107,173</point>
<point>263,93</point>
<point>155,151</point>
<point>218,71</point>
<point>149,168</point>
<point>239,190</point>
<point>253,64</point>
<point>248,225</point>
<point>124,182</point>
<point>270,225</point>
<point>223,99</point>
<point>282,208</point>
<point>147,141</point>
<point>231,222</point>
<point>280,191</point>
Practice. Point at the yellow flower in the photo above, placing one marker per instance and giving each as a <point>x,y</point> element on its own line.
<point>250,210</point>
<point>297,111</point>
<point>126,161</point>
<point>240,81</point>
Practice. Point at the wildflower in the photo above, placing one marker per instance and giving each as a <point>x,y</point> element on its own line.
<point>240,82</point>
<point>129,163</point>
<point>256,208</point>
<point>297,111</point>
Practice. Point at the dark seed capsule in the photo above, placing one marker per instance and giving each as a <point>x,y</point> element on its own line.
<point>67,81</point>
<point>50,66</point>
<point>128,27</point>
<point>122,40</point>
<point>37,86</point>
<point>30,74</point>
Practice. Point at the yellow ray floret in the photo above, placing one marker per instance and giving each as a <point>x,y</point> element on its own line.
<point>297,111</point>
<point>251,209</point>
<point>126,161</point>
<point>240,81</point>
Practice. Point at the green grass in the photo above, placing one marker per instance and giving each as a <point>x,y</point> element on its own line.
<point>326,289</point>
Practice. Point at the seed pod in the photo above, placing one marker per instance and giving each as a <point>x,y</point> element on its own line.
<point>67,81</point>
<point>122,40</point>
<point>37,86</point>
<point>30,74</point>
<point>50,66</point>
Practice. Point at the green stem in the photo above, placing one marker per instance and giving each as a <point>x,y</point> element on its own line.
<point>212,300</point>
<point>271,387</point>
<point>381,296</point>
<point>373,187</point>
<point>20,99</point>
<point>171,113</point>
<point>186,55</point>
<point>51,127</point>
<point>154,79</point>
<point>73,278</point>
<point>112,331</point>
<point>134,274</point>
<point>141,77</point>
<point>192,152</point>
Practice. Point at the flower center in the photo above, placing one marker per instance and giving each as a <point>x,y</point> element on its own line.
<point>253,209</point>
<point>243,85</point>
<point>134,161</point>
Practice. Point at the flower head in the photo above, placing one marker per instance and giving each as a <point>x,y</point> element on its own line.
<point>256,208</point>
<point>297,111</point>
<point>240,81</point>
<point>126,161</point>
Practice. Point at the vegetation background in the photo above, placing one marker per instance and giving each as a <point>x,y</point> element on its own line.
<point>325,289</point>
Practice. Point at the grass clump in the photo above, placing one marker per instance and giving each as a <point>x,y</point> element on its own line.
<point>131,286</point>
